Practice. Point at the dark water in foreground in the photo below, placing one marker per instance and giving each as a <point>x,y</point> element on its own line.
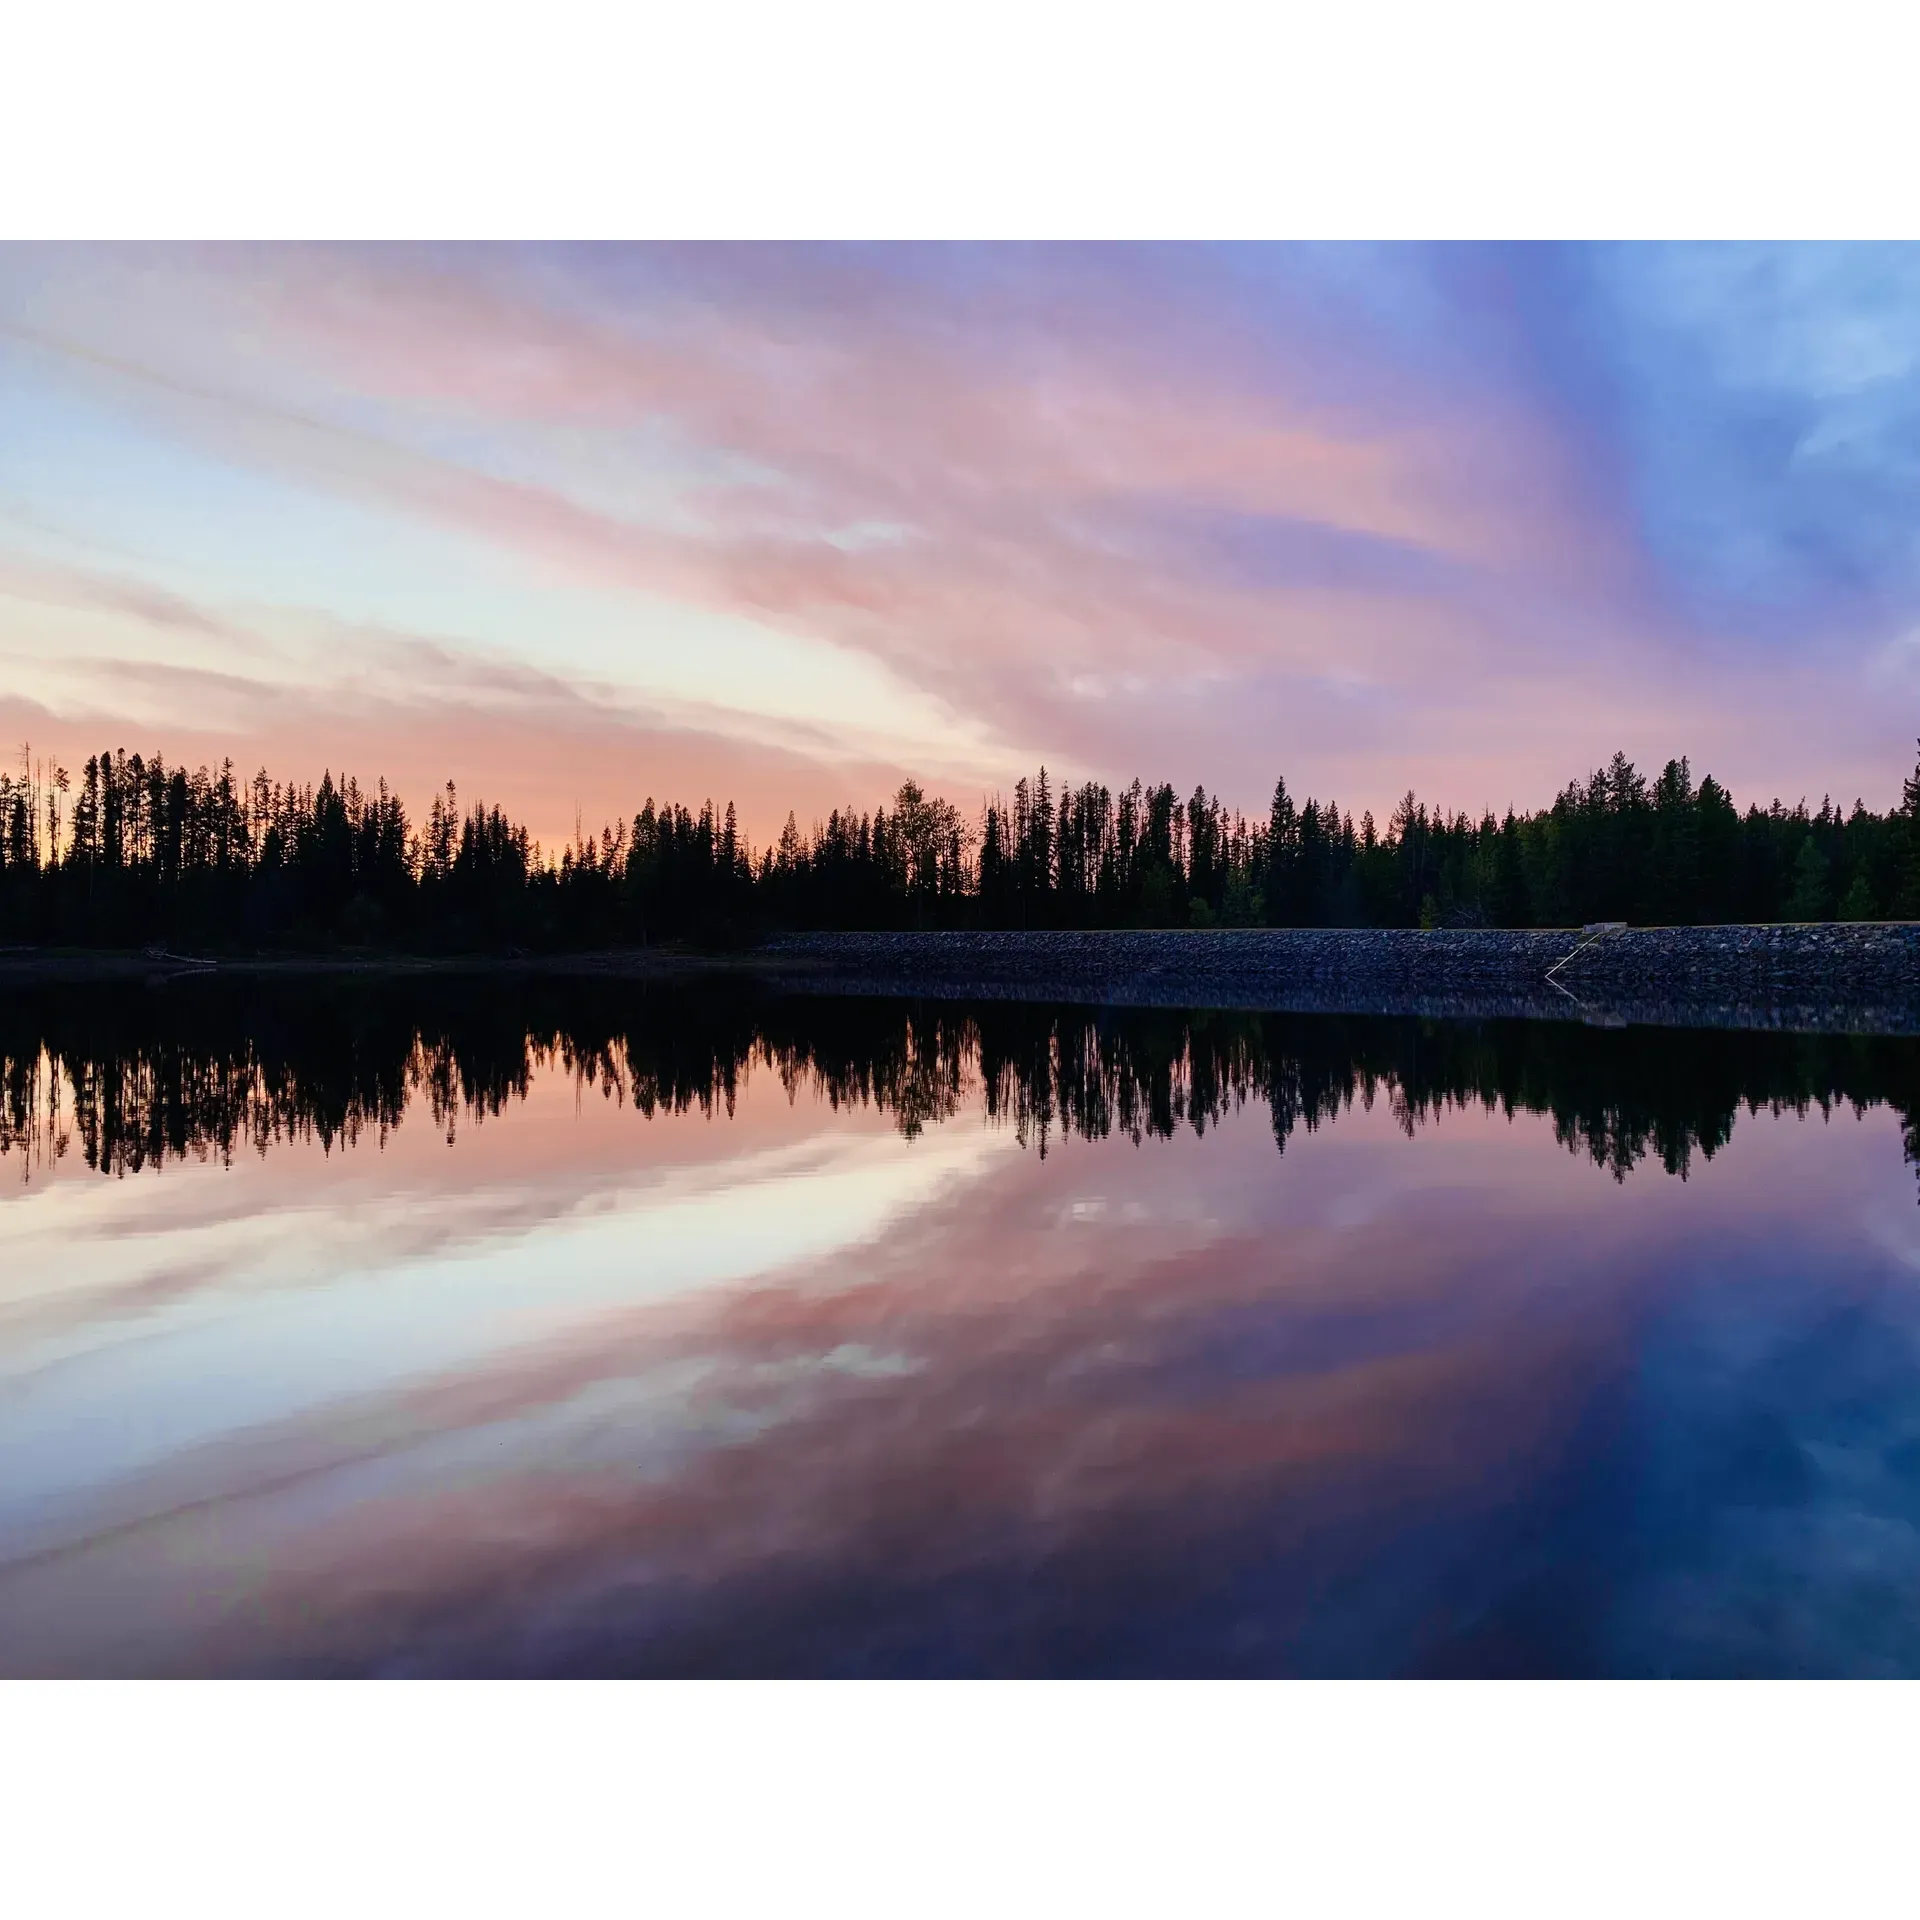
<point>592,1330</point>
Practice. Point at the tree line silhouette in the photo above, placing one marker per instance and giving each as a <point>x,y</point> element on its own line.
<point>212,1070</point>
<point>132,851</point>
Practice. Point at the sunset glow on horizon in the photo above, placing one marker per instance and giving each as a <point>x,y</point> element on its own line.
<point>579,526</point>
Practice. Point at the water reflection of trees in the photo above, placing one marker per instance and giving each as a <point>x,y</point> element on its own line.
<point>213,1068</point>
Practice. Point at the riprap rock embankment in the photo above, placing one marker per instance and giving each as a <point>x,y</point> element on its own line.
<point>1842,977</point>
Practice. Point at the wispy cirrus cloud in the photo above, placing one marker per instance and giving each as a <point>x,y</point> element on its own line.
<point>1367,516</point>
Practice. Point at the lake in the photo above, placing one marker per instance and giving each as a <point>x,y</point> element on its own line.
<point>587,1327</point>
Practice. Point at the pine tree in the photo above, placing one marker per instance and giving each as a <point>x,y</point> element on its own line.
<point>1907,904</point>
<point>1808,900</point>
<point>1858,904</point>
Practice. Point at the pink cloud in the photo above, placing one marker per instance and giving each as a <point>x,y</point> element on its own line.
<point>1023,445</point>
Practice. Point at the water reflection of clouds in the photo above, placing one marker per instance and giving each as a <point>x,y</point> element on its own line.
<point>1192,1404</point>
<point>1778,1529</point>
<point>358,1304</point>
<point>96,1253</point>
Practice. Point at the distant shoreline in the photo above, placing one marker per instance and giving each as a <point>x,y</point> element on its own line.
<point>1881,955</point>
<point>80,965</point>
<point>1838,977</point>
<point>1848,977</point>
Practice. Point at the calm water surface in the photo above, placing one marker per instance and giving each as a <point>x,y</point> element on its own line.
<point>586,1330</point>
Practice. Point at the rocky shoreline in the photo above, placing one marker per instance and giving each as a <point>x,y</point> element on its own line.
<point>1836,977</point>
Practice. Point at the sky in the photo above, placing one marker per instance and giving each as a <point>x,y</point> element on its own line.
<point>579,525</point>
